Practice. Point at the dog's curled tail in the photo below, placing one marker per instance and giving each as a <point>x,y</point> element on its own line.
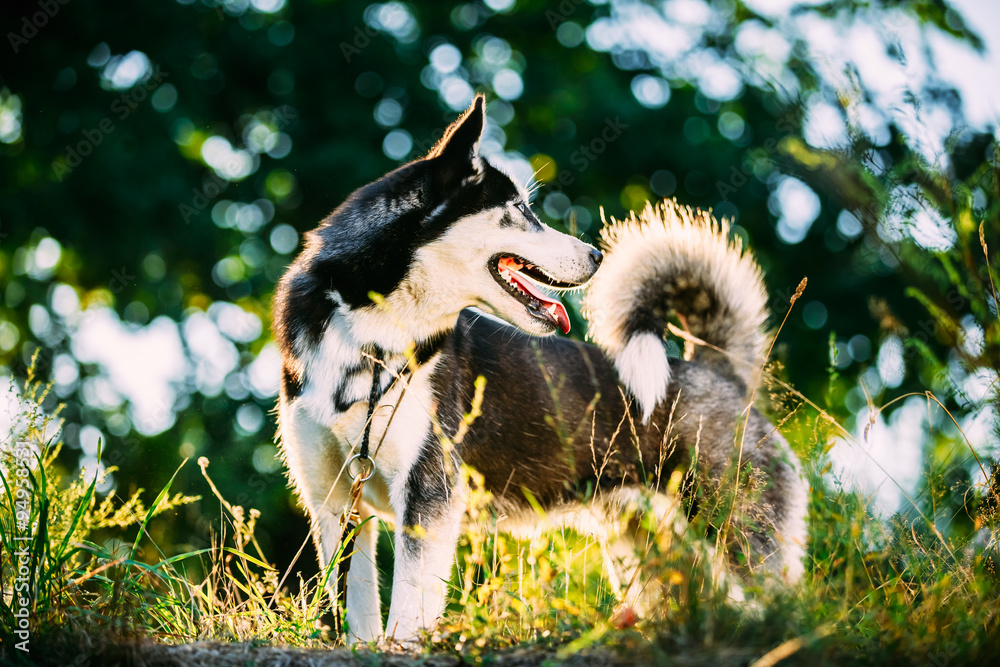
<point>675,263</point>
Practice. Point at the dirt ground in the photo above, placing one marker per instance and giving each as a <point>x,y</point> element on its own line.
<point>215,654</point>
<point>246,655</point>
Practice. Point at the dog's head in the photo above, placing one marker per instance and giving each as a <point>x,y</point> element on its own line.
<point>489,249</point>
<point>442,233</point>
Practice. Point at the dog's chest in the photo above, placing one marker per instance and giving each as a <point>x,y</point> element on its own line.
<point>400,426</point>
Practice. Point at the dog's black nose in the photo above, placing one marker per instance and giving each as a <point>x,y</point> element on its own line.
<point>597,256</point>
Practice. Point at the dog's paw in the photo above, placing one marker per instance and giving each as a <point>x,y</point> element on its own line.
<point>394,645</point>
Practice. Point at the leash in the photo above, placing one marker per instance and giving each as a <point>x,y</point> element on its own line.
<point>352,515</point>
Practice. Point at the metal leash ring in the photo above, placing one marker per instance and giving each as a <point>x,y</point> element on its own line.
<point>371,471</point>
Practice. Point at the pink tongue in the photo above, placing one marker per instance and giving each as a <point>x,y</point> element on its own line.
<point>552,307</point>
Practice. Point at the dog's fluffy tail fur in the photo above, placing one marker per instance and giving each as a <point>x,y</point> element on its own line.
<point>675,262</point>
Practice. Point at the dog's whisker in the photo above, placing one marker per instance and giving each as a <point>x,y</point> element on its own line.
<point>472,409</point>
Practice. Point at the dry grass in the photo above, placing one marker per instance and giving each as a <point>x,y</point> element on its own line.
<point>874,592</point>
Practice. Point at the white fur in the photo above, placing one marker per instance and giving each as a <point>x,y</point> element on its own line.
<point>313,458</point>
<point>419,583</point>
<point>408,432</point>
<point>606,518</point>
<point>452,270</point>
<point>315,453</point>
<point>365,617</point>
<point>418,587</point>
<point>793,534</point>
<point>447,275</point>
<point>324,366</point>
<point>643,367</point>
<point>665,240</point>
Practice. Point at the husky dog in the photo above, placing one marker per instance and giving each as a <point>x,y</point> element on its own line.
<point>389,278</point>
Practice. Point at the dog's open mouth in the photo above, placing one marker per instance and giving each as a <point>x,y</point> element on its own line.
<point>518,276</point>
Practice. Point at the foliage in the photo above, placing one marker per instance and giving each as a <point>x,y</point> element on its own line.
<point>77,580</point>
<point>151,228</point>
<point>895,325</point>
<point>875,592</point>
<point>55,571</point>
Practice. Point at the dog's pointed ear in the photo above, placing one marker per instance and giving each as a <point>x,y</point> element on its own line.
<point>458,148</point>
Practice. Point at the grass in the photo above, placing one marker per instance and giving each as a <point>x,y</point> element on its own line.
<point>921,587</point>
<point>899,591</point>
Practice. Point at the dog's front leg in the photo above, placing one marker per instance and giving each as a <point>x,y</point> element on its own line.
<point>363,616</point>
<point>364,611</point>
<point>427,531</point>
<point>313,458</point>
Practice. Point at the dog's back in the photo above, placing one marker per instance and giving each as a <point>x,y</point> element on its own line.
<point>368,322</point>
<point>563,420</point>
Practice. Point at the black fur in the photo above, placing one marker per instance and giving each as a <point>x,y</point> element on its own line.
<point>656,306</point>
<point>290,384</point>
<point>425,350</point>
<point>368,243</point>
<point>428,490</point>
<point>556,425</point>
<point>346,394</point>
<point>565,428</point>
<point>356,379</point>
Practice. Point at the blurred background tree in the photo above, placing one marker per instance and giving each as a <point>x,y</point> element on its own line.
<point>159,163</point>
